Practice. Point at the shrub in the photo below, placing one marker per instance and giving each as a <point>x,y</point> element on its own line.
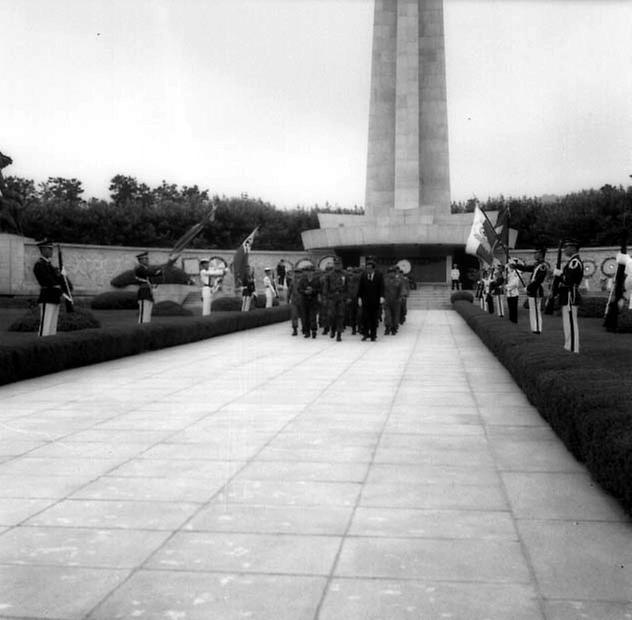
<point>261,301</point>
<point>462,296</point>
<point>586,404</point>
<point>170,308</point>
<point>170,275</point>
<point>226,304</point>
<point>592,307</point>
<point>69,350</point>
<point>115,300</point>
<point>68,321</point>
<point>624,323</point>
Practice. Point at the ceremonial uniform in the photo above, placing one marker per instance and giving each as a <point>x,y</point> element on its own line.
<point>570,279</point>
<point>269,288</point>
<point>535,291</point>
<point>209,286</point>
<point>392,301</point>
<point>309,290</point>
<point>497,287</point>
<point>247,292</point>
<point>455,276</point>
<point>143,274</point>
<point>512,290</point>
<point>50,280</point>
<point>335,295</point>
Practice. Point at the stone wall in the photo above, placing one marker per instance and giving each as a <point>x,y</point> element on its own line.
<point>91,267</point>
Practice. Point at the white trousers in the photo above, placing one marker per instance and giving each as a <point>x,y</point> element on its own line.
<point>245,303</point>
<point>500,306</point>
<point>269,298</point>
<point>207,298</point>
<point>571,328</point>
<point>144,310</point>
<point>49,313</point>
<point>535,314</point>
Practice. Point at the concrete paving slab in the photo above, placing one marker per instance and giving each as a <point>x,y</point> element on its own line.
<point>406,478</point>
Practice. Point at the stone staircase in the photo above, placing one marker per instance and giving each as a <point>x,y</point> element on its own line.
<point>430,297</point>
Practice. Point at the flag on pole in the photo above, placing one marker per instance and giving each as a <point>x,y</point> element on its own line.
<point>240,260</point>
<point>189,235</point>
<point>482,238</point>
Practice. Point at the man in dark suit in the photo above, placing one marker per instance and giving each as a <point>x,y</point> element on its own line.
<point>50,280</point>
<point>370,297</point>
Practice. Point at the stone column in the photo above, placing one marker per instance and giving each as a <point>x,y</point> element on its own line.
<point>407,163</point>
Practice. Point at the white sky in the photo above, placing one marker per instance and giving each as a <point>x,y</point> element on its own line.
<point>270,97</point>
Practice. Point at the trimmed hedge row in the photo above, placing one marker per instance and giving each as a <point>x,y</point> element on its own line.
<point>73,349</point>
<point>587,405</point>
<point>81,318</point>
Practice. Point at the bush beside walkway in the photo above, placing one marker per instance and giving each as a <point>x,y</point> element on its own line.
<point>39,356</point>
<point>585,398</point>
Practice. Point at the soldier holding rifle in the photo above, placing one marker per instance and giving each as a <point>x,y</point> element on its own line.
<point>535,291</point>
<point>570,278</point>
<point>53,286</point>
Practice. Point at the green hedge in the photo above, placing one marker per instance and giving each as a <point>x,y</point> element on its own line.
<point>116,300</point>
<point>68,321</point>
<point>169,308</point>
<point>587,405</point>
<point>73,349</point>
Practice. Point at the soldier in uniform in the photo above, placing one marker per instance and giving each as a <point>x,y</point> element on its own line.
<point>570,278</point>
<point>323,315</point>
<point>294,298</point>
<point>535,291</point>
<point>512,289</point>
<point>497,287</point>
<point>309,290</point>
<point>248,290</point>
<point>392,301</point>
<point>351,309</point>
<point>335,296</point>
<point>50,280</point>
<point>143,274</point>
<point>405,292</point>
<point>269,287</point>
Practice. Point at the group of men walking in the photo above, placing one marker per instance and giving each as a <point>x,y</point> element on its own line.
<point>355,298</point>
<point>502,283</point>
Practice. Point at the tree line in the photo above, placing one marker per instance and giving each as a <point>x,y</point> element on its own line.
<point>138,215</point>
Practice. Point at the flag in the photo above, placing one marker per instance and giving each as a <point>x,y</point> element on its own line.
<point>189,235</point>
<point>240,260</point>
<point>482,238</point>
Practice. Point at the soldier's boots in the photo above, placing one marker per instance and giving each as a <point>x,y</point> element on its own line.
<point>294,331</point>
<point>353,331</point>
<point>314,333</point>
<point>387,331</point>
<point>325,331</point>
<point>338,337</point>
<point>332,334</point>
<point>306,334</point>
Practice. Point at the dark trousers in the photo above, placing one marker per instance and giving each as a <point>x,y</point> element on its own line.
<point>370,318</point>
<point>308,315</point>
<point>512,304</point>
<point>456,284</point>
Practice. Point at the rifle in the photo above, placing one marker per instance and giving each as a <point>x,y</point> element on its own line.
<point>612,309</point>
<point>549,306</point>
<point>66,287</point>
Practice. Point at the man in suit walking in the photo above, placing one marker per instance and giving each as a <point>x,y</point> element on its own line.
<point>370,298</point>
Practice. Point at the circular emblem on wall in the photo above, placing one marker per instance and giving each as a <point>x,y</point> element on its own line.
<point>303,263</point>
<point>405,266</point>
<point>217,262</point>
<point>325,262</point>
<point>590,266</point>
<point>609,266</point>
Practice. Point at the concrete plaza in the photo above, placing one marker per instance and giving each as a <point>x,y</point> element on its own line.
<point>258,475</point>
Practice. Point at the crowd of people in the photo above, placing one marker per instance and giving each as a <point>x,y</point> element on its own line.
<point>501,284</point>
<point>338,299</point>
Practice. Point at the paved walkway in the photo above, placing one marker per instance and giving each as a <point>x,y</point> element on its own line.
<point>258,475</point>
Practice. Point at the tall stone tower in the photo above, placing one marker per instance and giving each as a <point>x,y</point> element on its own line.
<point>407,208</point>
<point>407,164</point>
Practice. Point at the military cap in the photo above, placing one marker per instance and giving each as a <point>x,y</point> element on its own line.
<point>142,255</point>
<point>571,241</point>
<point>267,269</point>
<point>44,243</point>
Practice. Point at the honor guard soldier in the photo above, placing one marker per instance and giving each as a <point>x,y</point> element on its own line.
<point>512,289</point>
<point>570,279</point>
<point>497,287</point>
<point>248,291</point>
<point>455,276</point>
<point>269,287</point>
<point>309,290</point>
<point>211,280</point>
<point>335,297</point>
<point>535,290</point>
<point>143,274</point>
<point>351,309</point>
<point>392,301</point>
<point>50,280</point>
